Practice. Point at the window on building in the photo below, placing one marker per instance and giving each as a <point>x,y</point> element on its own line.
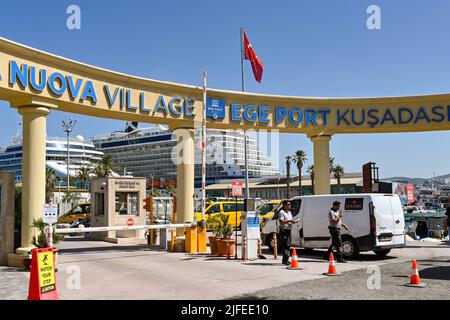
<point>127,203</point>
<point>99,204</point>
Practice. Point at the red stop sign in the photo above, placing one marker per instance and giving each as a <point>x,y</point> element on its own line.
<point>201,145</point>
<point>130,222</point>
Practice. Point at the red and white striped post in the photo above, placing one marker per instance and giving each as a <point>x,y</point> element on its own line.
<point>203,144</point>
<point>244,247</point>
<point>49,236</point>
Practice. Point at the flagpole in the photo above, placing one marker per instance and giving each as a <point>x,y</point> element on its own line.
<point>247,185</point>
<point>203,144</point>
<point>242,59</point>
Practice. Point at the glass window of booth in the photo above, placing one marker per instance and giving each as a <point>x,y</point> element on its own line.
<point>127,203</point>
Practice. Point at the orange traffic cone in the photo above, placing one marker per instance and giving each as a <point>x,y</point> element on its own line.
<point>415,278</point>
<point>294,261</point>
<point>331,267</point>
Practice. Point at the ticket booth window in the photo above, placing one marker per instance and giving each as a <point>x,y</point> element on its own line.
<point>99,204</point>
<point>127,203</point>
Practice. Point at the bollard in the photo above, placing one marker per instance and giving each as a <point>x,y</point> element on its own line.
<point>49,236</point>
<point>259,248</point>
<point>244,247</point>
<point>275,246</point>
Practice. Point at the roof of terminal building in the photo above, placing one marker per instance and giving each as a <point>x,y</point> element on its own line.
<point>344,181</point>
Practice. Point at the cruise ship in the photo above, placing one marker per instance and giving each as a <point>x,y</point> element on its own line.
<point>147,152</point>
<point>82,153</point>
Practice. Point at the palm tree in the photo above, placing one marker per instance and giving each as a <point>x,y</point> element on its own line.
<point>300,159</point>
<point>155,192</point>
<point>83,175</point>
<point>288,176</point>
<point>51,179</point>
<point>331,164</point>
<point>310,171</point>
<point>170,190</point>
<point>338,172</point>
<point>104,167</point>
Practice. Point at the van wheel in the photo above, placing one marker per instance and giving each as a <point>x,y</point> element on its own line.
<point>270,243</point>
<point>349,248</point>
<point>382,253</point>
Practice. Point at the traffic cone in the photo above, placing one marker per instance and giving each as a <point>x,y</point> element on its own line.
<point>294,261</point>
<point>415,278</point>
<point>331,267</point>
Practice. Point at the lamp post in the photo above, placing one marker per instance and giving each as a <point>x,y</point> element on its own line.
<point>80,139</point>
<point>68,127</point>
<point>278,186</point>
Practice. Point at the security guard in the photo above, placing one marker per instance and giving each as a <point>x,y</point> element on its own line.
<point>286,221</point>
<point>335,225</point>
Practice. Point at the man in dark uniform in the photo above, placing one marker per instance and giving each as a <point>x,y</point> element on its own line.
<point>335,225</point>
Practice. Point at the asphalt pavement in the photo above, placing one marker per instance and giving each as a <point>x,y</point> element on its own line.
<point>99,270</point>
<point>362,285</point>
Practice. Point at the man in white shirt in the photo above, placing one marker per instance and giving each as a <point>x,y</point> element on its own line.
<point>286,221</point>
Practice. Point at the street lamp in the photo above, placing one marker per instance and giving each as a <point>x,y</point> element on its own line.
<point>68,127</point>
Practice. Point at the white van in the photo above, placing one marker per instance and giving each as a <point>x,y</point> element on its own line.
<point>376,223</point>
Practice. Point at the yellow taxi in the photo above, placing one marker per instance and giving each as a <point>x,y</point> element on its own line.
<point>82,210</point>
<point>267,210</point>
<point>227,207</point>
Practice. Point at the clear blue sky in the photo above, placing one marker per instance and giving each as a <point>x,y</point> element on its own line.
<point>309,48</point>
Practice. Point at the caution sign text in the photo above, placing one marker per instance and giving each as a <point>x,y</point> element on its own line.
<point>46,272</point>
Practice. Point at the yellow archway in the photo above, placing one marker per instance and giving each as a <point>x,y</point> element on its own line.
<point>36,82</point>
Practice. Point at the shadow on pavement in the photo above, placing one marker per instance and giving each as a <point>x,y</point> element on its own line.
<point>14,270</point>
<point>436,273</point>
<point>134,248</point>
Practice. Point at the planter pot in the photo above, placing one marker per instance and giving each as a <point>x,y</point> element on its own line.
<point>222,247</point>
<point>213,245</point>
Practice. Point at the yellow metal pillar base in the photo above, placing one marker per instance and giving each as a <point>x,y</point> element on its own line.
<point>190,244</point>
<point>321,164</point>
<point>201,239</point>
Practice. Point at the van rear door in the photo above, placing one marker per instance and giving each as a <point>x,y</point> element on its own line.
<point>389,220</point>
<point>399,221</point>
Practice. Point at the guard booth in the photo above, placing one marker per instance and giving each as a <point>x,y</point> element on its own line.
<point>118,202</point>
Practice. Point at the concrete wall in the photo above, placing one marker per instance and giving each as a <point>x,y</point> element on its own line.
<point>7,189</point>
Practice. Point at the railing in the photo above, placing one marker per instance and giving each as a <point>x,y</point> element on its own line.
<point>124,228</point>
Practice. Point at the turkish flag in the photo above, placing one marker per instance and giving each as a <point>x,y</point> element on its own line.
<point>250,54</point>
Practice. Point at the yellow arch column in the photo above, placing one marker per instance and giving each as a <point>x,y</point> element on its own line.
<point>321,146</point>
<point>185,162</point>
<point>33,169</point>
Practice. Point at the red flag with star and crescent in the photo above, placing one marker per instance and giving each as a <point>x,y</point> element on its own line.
<point>250,54</point>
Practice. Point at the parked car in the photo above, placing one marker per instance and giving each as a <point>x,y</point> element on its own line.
<point>267,210</point>
<point>82,210</point>
<point>226,207</point>
<point>376,223</point>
